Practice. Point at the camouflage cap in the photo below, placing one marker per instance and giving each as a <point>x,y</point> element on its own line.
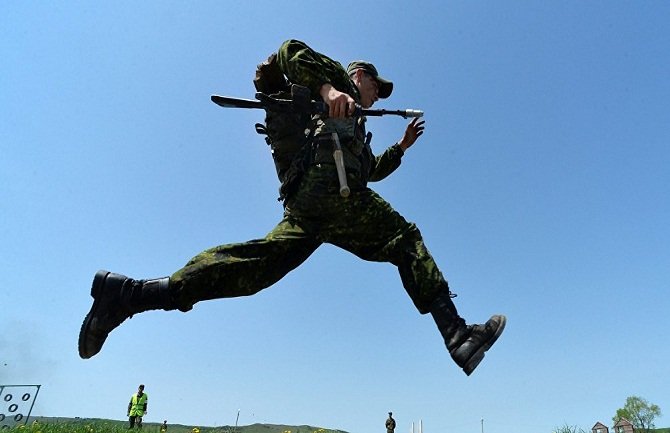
<point>385,86</point>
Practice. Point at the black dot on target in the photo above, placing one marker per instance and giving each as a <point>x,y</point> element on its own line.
<point>12,407</point>
<point>18,417</point>
<point>8,397</point>
<point>26,396</point>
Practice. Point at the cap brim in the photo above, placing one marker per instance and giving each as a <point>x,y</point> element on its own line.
<point>385,88</point>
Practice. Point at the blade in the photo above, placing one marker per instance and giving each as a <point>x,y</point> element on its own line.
<point>228,102</point>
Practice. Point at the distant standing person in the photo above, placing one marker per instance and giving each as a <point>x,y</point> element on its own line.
<point>390,423</point>
<point>164,427</point>
<point>137,408</point>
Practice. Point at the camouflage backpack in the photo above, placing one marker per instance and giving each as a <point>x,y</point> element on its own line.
<point>288,133</point>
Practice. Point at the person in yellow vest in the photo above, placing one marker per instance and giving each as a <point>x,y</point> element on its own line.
<point>137,407</point>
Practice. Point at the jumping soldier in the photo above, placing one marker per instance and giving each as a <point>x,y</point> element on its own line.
<point>314,213</point>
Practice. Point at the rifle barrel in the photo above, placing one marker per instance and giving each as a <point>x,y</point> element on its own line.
<point>383,112</point>
<point>266,102</point>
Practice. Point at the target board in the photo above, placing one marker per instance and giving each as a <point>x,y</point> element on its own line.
<point>16,403</point>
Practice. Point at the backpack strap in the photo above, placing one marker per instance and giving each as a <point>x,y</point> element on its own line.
<point>299,165</point>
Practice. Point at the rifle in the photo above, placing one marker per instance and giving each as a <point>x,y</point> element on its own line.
<point>300,102</point>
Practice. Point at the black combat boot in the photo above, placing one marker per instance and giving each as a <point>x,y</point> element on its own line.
<point>115,299</point>
<point>466,343</point>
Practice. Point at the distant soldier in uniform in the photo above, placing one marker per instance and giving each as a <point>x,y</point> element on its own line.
<point>164,427</point>
<point>314,213</point>
<point>137,407</point>
<point>390,423</point>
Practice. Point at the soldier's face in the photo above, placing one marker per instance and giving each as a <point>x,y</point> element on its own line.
<point>368,88</point>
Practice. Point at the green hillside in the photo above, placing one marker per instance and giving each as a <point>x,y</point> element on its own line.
<point>96,425</point>
<point>71,424</point>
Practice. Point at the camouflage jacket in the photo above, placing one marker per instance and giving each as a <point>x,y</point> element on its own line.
<point>302,65</point>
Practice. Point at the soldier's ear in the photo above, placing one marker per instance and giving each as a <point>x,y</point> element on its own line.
<point>357,76</point>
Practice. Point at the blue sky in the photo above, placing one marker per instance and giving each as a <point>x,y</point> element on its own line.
<point>540,186</point>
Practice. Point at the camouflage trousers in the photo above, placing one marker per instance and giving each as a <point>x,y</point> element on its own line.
<point>363,224</point>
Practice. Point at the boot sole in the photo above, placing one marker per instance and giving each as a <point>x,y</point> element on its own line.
<point>96,291</point>
<point>477,357</point>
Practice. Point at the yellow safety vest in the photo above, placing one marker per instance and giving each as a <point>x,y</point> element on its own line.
<point>137,404</point>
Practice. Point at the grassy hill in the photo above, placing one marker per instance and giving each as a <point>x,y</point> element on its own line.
<point>179,428</point>
<point>97,425</point>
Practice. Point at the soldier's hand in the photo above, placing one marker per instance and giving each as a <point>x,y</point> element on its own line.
<point>340,104</point>
<point>413,131</point>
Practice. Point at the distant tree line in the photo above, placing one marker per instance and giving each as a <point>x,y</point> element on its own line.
<point>637,411</point>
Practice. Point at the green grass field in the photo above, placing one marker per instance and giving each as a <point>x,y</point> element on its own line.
<point>68,425</point>
<point>57,425</point>
<point>74,427</point>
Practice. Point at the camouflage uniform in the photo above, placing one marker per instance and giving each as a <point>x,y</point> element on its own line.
<point>390,423</point>
<point>363,224</point>
<point>315,213</point>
